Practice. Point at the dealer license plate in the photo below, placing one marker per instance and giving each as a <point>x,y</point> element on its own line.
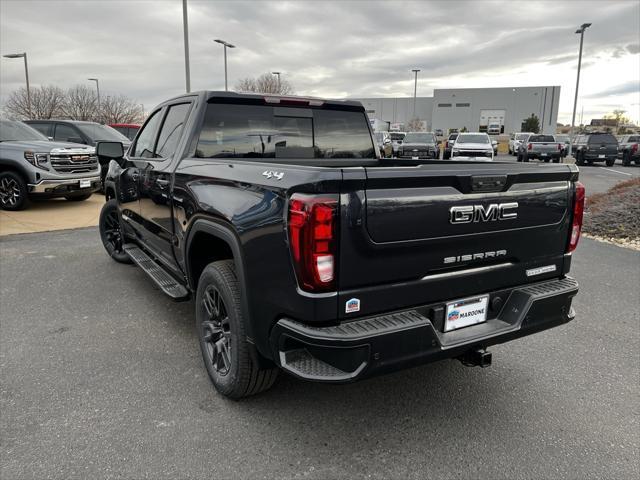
<point>415,158</point>
<point>465,312</point>
<point>600,156</point>
<point>85,183</point>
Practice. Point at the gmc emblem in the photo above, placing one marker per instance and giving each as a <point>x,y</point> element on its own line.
<point>480,213</point>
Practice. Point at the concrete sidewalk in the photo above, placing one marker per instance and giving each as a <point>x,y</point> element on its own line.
<point>47,215</point>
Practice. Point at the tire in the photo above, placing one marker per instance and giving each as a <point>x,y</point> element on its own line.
<point>579,159</point>
<point>220,326</point>
<point>626,159</point>
<point>610,162</point>
<point>78,198</point>
<point>546,160</point>
<point>13,192</point>
<point>519,158</point>
<point>111,233</point>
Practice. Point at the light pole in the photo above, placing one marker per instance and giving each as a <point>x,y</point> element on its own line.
<point>278,75</point>
<point>98,90</point>
<point>26,74</point>
<point>225,44</point>
<point>415,90</point>
<point>581,30</point>
<point>185,30</point>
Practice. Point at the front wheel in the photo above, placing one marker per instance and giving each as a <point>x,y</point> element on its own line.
<point>111,233</point>
<point>13,192</point>
<point>223,340</point>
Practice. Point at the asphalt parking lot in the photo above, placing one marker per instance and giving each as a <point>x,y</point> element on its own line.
<point>102,377</point>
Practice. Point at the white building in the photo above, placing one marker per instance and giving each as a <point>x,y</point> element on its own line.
<point>473,108</point>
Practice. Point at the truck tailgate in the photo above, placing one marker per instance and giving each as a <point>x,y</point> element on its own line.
<point>545,147</point>
<point>413,235</point>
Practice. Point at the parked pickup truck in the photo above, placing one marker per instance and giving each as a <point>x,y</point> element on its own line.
<point>305,251</point>
<point>629,149</point>
<point>541,147</point>
<point>33,167</point>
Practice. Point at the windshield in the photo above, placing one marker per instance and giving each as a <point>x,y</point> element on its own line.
<point>397,136</point>
<point>473,138</point>
<point>522,136</point>
<point>419,138</point>
<point>18,131</point>
<point>96,132</point>
<point>263,131</point>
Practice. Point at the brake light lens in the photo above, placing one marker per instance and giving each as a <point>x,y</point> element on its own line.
<point>312,239</point>
<point>578,212</point>
<point>559,147</point>
<point>529,146</point>
<point>634,148</point>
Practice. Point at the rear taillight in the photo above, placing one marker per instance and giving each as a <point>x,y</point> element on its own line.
<point>559,147</point>
<point>312,239</point>
<point>634,148</point>
<point>578,211</point>
<point>529,147</point>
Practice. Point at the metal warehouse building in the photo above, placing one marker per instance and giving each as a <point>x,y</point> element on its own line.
<point>473,108</point>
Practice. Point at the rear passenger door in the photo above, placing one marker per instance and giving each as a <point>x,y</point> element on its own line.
<point>154,189</point>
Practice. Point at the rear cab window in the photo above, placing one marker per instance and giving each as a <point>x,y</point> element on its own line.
<point>264,131</point>
<point>605,138</point>
<point>541,138</point>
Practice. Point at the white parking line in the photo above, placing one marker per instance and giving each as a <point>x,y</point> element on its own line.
<point>616,171</point>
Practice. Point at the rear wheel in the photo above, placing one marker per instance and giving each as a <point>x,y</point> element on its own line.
<point>13,191</point>
<point>579,159</point>
<point>111,233</point>
<point>78,198</point>
<point>221,332</point>
<point>610,162</point>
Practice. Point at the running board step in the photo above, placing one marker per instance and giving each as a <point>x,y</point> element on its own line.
<point>161,278</point>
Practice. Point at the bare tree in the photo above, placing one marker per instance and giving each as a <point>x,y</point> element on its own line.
<point>266,83</point>
<point>47,102</point>
<point>120,109</point>
<point>415,125</point>
<point>81,103</point>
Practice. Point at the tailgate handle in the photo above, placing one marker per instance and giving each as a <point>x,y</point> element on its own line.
<point>493,183</point>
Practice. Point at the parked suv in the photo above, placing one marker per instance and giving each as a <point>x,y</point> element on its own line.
<point>473,145</point>
<point>76,131</point>
<point>307,252</point>
<point>629,150</point>
<point>32,166</point>
<point>418,145</point>
<point>595,147</point>
<point>515,139</point>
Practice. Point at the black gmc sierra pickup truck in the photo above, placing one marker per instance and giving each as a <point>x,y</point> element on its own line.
<point>306,251</point>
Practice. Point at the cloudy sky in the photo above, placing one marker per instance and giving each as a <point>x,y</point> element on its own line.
<point>330,49</point>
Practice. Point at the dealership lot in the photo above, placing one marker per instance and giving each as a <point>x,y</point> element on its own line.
<point>102,376</point>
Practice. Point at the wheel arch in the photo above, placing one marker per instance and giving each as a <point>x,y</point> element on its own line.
<point>8,166</point>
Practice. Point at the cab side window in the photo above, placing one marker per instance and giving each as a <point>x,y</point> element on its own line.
<point>146,140</point>
<point>171,131</point>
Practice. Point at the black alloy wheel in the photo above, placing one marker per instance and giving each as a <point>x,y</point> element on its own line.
<point>215,331</point>
<point>13,191</point>
<point>111,232</point>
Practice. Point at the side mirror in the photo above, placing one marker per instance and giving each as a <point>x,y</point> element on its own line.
<point>386,142</point>
<point>50,139</point>
<point>75,140</point>
<point>110,149</point>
